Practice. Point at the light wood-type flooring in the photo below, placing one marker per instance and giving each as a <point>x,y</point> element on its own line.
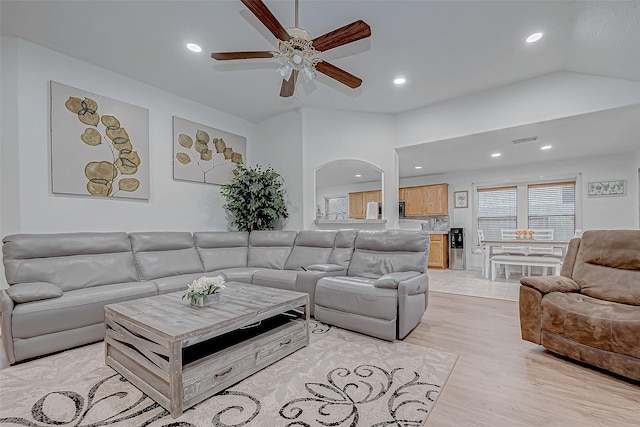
<point>501,380</point>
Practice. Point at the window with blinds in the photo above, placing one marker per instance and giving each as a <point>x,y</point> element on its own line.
<point>497,209</point>
<point>553,206</point>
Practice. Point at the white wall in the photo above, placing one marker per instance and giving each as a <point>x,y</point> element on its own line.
<point>278,142</point>
<point>593,212</point>
<point>343,190</point>
<point>552,96</point>
<point>338,135</point>
<point>173,205</point>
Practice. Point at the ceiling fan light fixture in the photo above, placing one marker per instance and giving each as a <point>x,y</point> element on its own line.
<point>308,73</point>
<point>285,71</point>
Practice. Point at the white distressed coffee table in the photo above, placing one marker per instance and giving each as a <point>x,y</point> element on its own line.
<point>180,355</point>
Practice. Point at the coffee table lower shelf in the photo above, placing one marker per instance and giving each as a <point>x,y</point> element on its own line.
<point>179,374</point>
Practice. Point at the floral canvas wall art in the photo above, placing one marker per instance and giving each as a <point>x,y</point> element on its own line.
<point>606,188</point>
<point>99,146</point>
<point>205,154</point>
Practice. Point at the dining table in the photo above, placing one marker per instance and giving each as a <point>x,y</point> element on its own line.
<point>559,248</point>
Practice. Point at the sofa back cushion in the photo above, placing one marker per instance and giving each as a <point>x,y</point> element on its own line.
<point>343,248</point>
<point>164,254</point>
<point>607,265</point>
<point>222,249</point>
<point>69,260</point>
<point>311,247</point>
<point>387,251</point>
<point>270,249</point>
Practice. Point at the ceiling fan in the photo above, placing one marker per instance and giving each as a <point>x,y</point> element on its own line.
<point>299,50</point>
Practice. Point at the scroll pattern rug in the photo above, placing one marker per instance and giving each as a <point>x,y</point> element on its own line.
<point>340,379</point>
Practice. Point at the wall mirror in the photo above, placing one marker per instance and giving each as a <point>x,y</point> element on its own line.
<point>345,187</point>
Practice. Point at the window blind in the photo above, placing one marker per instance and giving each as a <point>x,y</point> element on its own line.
<point>497,208</point>
<point>553,206</point>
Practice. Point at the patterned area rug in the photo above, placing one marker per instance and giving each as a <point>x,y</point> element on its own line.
<point>341,379</point>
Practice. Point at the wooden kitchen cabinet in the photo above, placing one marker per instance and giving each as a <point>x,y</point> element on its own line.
<point>438,252</point>
<point>425,200</point>
<point>358,202</point>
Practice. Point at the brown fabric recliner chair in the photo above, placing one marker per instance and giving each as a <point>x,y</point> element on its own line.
<point>591,312</point>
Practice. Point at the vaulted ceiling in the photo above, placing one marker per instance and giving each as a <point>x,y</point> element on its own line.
<point>445,49</point>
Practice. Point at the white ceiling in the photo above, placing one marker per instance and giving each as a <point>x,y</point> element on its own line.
<point>606,132</point>
<point>444,48</point>
<point>343,172</point>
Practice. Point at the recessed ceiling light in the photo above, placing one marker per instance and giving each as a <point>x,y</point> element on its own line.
<point>534,37</point>
<point>418,167</point>
<point>358,176</point>
<point>545,147</point>
<point>194,47</point>
<point>398,81</point>
<point>496,155</point>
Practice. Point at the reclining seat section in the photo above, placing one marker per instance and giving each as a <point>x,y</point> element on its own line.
<point>309,261</point>
<point>591,312</point>
<point>384,293</point>
<point>59,285</point>
<point>168,258</point>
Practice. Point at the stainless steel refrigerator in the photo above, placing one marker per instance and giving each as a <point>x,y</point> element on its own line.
<point>457,258</point>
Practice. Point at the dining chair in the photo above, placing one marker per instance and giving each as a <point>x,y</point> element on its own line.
<point>519,250</point>
<point>481,250</point>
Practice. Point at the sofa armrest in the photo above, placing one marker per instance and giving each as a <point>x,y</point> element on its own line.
<point>6,312</point>
<point>418,284</point>
<point>392,280</point>
<point>326,267</point>
<point>547,284</point>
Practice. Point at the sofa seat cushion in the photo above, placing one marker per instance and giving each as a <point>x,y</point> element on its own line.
<point>177,283</point>
<point>74,309</point>
<point>597,323</point>
<point>238,274</point>
<point>281,279</point>
<point>357,295</point>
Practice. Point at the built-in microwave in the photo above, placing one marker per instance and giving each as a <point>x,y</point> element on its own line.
<point>401,209</point>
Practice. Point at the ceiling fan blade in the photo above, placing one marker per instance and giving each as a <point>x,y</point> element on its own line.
<point>347,34</point>
<point>265,16</point>
<point>225,56</point>
<point>289,86</point>
<point>338,74</point>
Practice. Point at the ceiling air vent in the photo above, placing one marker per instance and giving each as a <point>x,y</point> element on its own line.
<point>520,141</point>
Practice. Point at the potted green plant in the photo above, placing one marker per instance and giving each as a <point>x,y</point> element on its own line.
<point>255,198</point>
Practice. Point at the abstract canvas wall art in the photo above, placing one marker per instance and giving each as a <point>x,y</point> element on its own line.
<point>99,146</point>
<point>205,154</point>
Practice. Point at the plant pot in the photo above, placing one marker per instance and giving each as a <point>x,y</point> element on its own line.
<point>210,300</point>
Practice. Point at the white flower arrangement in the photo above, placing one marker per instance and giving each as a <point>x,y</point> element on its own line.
<point>201,288</point>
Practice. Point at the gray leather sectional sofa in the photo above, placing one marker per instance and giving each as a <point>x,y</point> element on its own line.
<point>373,282</point>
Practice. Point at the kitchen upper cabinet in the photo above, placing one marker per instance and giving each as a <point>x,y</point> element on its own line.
<point>425,200</point>
<point>437,199</point>
<point>358,202</point>
<point>438,251</point>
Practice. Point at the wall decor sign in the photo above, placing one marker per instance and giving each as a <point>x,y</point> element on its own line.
<point>99,146</point>
<point>205,154</point>
<point>606,188</point>
<point>461,199</point>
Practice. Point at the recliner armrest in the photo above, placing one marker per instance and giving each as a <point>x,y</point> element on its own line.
<point>416,285</point>
<point>392,280</point>
<point>547,284</point>
<point>6,309</point>
<point>326,267</point>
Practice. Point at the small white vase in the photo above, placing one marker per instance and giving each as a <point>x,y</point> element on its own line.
<point>210,300</point>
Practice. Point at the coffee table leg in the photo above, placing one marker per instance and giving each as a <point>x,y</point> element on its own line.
<point>175,386</point>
